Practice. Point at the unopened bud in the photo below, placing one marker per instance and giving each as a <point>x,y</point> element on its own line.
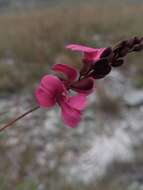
<point>100,69</point>
<point>117,63</point>
<point>138,47</point>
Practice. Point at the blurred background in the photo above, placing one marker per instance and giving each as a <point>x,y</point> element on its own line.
<point>38,153</point>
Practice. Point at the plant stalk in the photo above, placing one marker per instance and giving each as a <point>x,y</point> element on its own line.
<point>18,118</point>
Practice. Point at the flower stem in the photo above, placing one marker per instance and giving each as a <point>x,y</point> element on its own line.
<point>18,118</point>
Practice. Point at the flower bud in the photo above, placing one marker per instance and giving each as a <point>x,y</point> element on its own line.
<point>101,68</point>
<point>117,62</point>
<point>138,47</point>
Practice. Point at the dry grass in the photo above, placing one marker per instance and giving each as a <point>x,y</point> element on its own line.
<point>36,38</point>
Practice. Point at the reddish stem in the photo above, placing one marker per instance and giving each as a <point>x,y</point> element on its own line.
<point>18,118</point>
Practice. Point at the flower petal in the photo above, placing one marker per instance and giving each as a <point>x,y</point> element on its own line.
<point>68,71</point>
<point>52,84</point>
<point>91,57</point>
<point>43,98</point>
<point>70,116</point>
<point>94,56</point>
<point>49,90</point>
<point>78,101</point>
<point>81,48</point>
<point>83,86</point>
<point>90,54</point>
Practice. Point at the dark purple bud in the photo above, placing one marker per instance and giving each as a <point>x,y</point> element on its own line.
<point>106,53</point>
<point>116,52</point>
<point>117,63</point>
<point>127,46</point>
<point>123,52</point>
<point>134,41</point>
<point>97,76</point>
<point>123,43</point>
<point>100,62</point>
<point>130,43</point>
<point>138,47</point>
<point>137,40</point>
<point>101,68</point>
<point>83,86</point>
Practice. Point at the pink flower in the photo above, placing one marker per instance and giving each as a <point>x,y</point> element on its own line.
<point>69,72</point>
<point>52,91</point>
<point>85,86</point>
<point>90,54</point>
